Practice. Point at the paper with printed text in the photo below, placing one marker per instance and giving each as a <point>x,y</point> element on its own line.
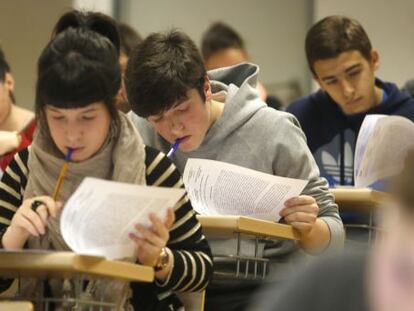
<point>225,189</point>
<point>100,214</point>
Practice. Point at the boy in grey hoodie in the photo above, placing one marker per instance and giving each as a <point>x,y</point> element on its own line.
<point>218,115</point>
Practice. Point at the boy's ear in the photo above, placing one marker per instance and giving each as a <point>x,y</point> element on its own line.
<point>375,58</point>
<point>207,88</point>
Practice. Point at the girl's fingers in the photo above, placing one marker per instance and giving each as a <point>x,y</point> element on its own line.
<point>159,228</point>
<point>23,222</point>
<point>301,217</point>
<point>169,221</point>
<point>150,236</point>
<point>35,219</point>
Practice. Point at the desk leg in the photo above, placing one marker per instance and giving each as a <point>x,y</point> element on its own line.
<point>238,254</point>
<point>371,216</point>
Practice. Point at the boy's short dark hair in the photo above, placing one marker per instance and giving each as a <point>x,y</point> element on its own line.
<point>220,36</point>
<point>334,35</point>
<point>161,70</point>
<point>129,38</point>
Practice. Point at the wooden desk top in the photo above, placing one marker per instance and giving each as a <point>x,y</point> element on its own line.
<point>228,225</point>
<point>16,305</point>
<point>353,199</point>
<point>49,264</point>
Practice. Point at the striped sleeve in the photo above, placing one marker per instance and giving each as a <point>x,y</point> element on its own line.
<point>193,264</point>
<point>12,185</point>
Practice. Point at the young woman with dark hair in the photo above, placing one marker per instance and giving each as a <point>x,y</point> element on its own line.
<point>78,79</point>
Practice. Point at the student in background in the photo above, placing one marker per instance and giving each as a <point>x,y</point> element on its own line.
<point>380,279</point>
<point>343,63</point>
<point>222,46</point>
<point>218,115</point>
<point>129,39</point>
<point>78,79</point>
<point>16,124</point>
<point>409,87</point>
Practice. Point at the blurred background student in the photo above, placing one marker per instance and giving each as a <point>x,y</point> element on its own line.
<point>222,46</point>
<point>16,124</point>
<point>129,39</point>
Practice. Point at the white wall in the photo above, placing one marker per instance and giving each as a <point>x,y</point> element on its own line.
<point>274,30</point>
<point>389,25</point>
<point>25,28</point>
<point>103,6</point>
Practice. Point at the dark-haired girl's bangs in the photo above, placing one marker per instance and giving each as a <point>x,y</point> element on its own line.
<point>77,91</point>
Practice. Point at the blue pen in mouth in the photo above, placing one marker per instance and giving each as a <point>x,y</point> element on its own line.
<point>69,154</point>
<point>174,148</point>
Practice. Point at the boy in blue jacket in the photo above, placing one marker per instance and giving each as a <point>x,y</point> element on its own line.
<point>343,63</point>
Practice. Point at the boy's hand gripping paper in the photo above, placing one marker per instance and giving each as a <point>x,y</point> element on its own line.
<point>99,215</point>
<point>218,188</point>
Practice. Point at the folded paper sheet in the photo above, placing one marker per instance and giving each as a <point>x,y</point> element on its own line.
<point>100,214</point>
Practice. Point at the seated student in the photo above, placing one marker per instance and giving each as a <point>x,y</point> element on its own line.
<point>343,62</point>
<point>222,46</point>
<point>218,115</point>
<point>16,124</point>
<point>129,39</point>
<point>380,279</point>
<point>78,79</point>
<point>409,87</point>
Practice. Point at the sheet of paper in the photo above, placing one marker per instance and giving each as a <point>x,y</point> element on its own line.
<point>220,188</point>
<point>365,133</point>
<point>381,148</point>
<point>100,214</point>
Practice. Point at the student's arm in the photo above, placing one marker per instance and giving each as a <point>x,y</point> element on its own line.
<point>12,186</point>
<point>295,160</point>
<point>191,256</point>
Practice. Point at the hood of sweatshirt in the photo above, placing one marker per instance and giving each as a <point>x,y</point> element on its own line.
<point>236,87</point>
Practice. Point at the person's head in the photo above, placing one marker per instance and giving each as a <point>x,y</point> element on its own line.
<point>129,40</point>
<point>343,62</point>
<point>129,37</point>
<point>6,87</point>
<point>78,78</point>
<point>222,46</point>
<point>166,83</point>
<point>392,265</point>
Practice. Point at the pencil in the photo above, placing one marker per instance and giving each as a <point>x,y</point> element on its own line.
<point>62,174</point>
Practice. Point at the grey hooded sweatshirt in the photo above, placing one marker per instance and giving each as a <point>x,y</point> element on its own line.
<point>252,135</point>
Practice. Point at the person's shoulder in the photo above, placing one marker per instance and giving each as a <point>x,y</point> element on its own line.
<point>269,117</point>
<point>18,165</point>
<point>160,170</point>
<point>152,154</point>
<point>136,120</point>
<point>308,103</point>
<point>399,102</point>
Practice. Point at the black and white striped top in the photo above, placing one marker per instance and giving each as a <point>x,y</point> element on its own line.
<point>192,256</point>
